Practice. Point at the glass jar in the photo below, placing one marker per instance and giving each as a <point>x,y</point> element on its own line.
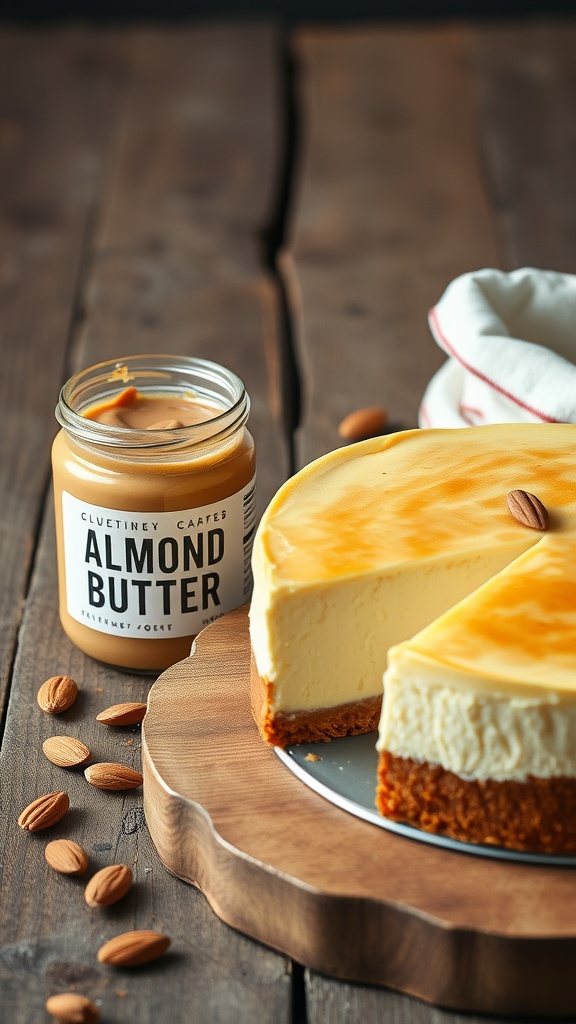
<point>155,513</point>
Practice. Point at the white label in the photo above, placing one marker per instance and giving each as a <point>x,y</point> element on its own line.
<point>157,574</point>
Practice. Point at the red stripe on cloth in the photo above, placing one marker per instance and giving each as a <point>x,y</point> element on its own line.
<point>424,415</point>
<point>433,317</point>
<point>471,414</point>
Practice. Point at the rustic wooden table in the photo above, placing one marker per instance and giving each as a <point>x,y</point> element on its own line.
<point>289,204</point>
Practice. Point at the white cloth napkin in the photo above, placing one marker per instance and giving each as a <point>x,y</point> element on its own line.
<point>511,343</point>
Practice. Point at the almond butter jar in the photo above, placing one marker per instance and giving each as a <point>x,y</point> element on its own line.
<point>154,489</point>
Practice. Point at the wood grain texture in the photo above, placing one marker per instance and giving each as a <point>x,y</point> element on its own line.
<point>389,207</point>
<point>525,84</point>
<point>333,1002</point>
<point>177,263</point>
<point>49,936</point>
<point>56,96</point>
<point>131,268</point>
<point>281,864</point>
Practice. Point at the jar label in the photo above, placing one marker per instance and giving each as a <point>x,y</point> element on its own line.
<point>157,574</point>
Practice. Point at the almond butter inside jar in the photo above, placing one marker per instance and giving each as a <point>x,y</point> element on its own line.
<point>154,489</point>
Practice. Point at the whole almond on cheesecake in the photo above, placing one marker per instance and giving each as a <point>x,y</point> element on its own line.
<point>57,694</point>
<point>527,509</point>
<point>107,775</point>
<point>66,751</point>
<point>72,1008</point>
<point>122,714</point>
<point>44,812</point>
<point>67,857</point>
<point>108,885</point>
<point>130,949</point>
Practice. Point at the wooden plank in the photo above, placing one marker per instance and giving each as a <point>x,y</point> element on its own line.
<point>57,91</point>
<point>162,272</point>
<point>390,207</point>
<point>526,89</point>
<point>178,257</point>
<point>332,1002</point>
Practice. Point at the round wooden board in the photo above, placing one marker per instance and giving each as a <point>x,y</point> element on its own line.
<point>335,893</point>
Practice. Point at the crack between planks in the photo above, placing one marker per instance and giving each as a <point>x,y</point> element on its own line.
<point>299,1009</point>
<point>274,239</point>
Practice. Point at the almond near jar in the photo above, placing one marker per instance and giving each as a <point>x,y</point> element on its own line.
<point>154,490</point>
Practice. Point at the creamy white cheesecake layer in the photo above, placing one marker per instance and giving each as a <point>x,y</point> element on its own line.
<point>477,736</point>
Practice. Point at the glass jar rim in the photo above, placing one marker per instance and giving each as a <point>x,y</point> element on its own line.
<point>153,373</point>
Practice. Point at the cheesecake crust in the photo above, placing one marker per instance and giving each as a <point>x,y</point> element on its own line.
<point>283,730</point>
<point>538,815</point>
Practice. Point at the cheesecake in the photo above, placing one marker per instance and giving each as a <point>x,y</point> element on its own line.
<point>399,557</point>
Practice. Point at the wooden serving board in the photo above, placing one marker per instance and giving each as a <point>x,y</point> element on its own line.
<point>343,897</point>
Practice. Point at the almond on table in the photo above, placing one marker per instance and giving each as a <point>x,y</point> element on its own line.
<point>108,885</point>
<point>66,751</point>
<point>44,812</point>
<point>122,714</point>
<point>130,949</point>
<point>67,857</point>
<point>108,775</point>
<point>363,423</point>
<point>57,694</point>
<point>72,1008</point>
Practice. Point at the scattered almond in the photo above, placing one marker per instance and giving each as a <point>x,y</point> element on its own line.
<point>44,812</point>
<point>107,775</point>
<point>66,751</point>
<point>57,694</point>
<point>122,714</point>
<point>67,857</point>
<point>527,509</point>
<point>72,1008</point>
<point>133,948</point>
<point>362,423</point>
<point>108,885</point>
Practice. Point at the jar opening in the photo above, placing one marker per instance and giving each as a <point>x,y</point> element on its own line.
<point>186,378</point>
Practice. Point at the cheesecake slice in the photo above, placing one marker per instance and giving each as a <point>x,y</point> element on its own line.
<point>477,736</point>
